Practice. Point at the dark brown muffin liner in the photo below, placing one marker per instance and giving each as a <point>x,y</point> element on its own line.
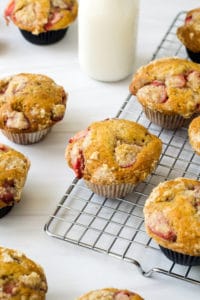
<point>166,121</point>
<point>5,210</point>
<point>195,57</point>
<point>44,38</point>
<point>179,258</point>
<point>26,138</point>
<point>111,191</point>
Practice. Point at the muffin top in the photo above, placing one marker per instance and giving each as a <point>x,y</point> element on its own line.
<point>172,215</point>
<point>110,294</point>
<point>20,277</point>
<point>14,167</point>
<point>194,134</point>
<point>189,32</point>
<point>170,85</point>
<point>39,16</point>
<point>113,151</point>
<point>30,102</point>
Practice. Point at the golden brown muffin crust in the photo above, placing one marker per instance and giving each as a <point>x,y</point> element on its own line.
<point>110,294</point>
<point>194,134</point>
<point>113,151</point>
<point>20,277</point>
<point>189,32</point>
<point>14,167</point>
<point>30,102</point>
<point>172,215</point>
<point>170,85</point>
<point>38,16</point>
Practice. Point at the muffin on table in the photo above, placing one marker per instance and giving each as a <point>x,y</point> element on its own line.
<point>42,22</point>
<point>14,167</point>
<point>172,219</point>
<point>20,277</point>
<point>194,134</point>
<point>30,104</point>
<point>113,155</point>
<point>110,294</point>
<point>189,34</point>
<point>169,91</point>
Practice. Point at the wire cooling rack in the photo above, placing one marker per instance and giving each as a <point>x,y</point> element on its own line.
<point>116,226</point>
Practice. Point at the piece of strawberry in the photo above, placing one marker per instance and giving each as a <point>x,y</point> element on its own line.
<point>79,135</point>
<point>188,19</point>
<point>9,10</point>
<point>53,18</point>
<point>79,165</point>
<point>122,295</point>
<point>158,225</point>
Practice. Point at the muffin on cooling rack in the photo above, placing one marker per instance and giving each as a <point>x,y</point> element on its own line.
<point>42,22</point>
<point>168,90</point>
<point>172,219</point>
<point>20,277</point>
<point>189,34</point>
<point>30,104</point>
<point>110,294</point>
<point>113,156</point>
<point>194,134</point>
<point>14,167</point>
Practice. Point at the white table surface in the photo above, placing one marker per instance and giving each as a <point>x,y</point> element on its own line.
<point>71,270</point>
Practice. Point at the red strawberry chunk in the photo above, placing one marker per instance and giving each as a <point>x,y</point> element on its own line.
<point>158,224</point>
<point>54,18</point>
<point>122,295</point>
<point>9,10</point>
<point>157,83</point>
<point>3,148</point>
<point>79,165</point>
<point>9,288</point>
<point>188,19</point>
<point>7,192</point>
<point>81,134</point>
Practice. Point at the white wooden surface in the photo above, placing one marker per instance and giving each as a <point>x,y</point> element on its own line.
<point>71,270</point>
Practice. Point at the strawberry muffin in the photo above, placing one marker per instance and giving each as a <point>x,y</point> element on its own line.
<point>30,104</point>
<point>189,34</point>
<point>20,277</point>
<point>110,294</point>
<point>172,219</point>
<point>194,134</point>
<point>14,167</point>
<point>169,91</point>
<point>42,22</point>
<point>112,156</point>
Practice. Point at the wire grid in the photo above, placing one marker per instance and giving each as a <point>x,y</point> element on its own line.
<point>116,226</point>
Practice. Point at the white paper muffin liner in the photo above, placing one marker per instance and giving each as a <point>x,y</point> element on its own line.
<point>26,138</point>
<point>111,191</point>
<point>166,121</point>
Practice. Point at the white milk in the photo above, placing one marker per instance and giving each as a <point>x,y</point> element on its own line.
<point>107,37</point>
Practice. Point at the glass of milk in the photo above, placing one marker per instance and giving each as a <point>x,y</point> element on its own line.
<point>107,38</point>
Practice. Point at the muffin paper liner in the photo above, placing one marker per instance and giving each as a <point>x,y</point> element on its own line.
<point>44,38</point>
<point>26,138</point>
<point>5,210</point>
<point>164,120</point>
<point>111,191</point>
<point>179,258</point>
<point>195,57</point>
